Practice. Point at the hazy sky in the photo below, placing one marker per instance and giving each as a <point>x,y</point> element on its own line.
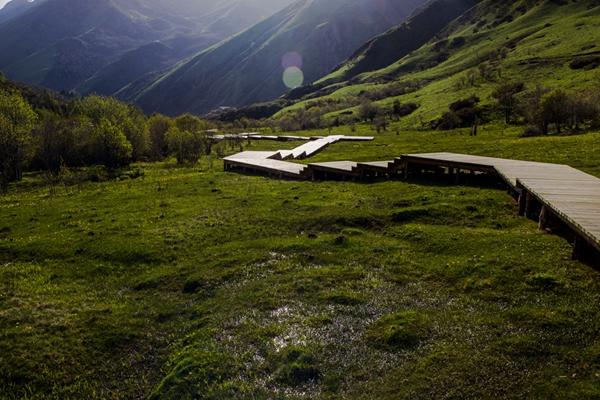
<point>3,2</point>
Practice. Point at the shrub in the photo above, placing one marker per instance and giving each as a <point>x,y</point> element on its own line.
<point>585,62</point>
<point>403,109</point>
<point>450,120</point>
<point>464,103</point>
<point>531,131</point>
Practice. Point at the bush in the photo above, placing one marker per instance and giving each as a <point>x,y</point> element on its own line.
<point>469,102</point>
<point>531,131</point>
<point>585,62</point>
<point>450,120</point>
<point>403,109</point>
<point>369,111</point>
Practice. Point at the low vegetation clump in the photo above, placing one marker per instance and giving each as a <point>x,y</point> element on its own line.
<point>585,62</point>
<point>402,330</point>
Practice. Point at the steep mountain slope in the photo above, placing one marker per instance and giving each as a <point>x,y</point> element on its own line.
<point>61,43</point>
<point>14,8</point>
<point>383,50</point>
<point>492,43</point>
<point>379,52</point>
<point>248,67</point>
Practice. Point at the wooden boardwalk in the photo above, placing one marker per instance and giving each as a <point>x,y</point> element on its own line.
<point>550,193</point>
<point>545,191</point>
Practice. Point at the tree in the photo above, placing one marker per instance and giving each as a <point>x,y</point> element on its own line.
<point>506,100</point>
<point>129,120</point>
<point>584,106</point>
<point>54,142</point>
<point>381,123</point>
<point>197,128</point>
<point>17,119</point>
<point>184,145</point>
<point>554,108</point>
<point>531,108</point>
<point>110,146</point>
<point>158,125</point>
<point>368,111</point>
<point>135,128</point>
<point>2,78</point>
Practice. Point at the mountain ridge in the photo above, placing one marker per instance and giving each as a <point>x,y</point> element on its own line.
<point>322,33</point>
<point>61,43</point>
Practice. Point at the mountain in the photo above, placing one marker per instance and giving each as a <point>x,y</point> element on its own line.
<point>14,8</point>
<point>247,68</point>
<point>543,45</point>
<point>61,43</point>
<point>391,46</point>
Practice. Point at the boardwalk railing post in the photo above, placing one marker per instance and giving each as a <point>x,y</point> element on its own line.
<point>529,202</point>
<point>544,216</point>
<point>578,248</point>
<point>522,203</point>
<point>406,170</point>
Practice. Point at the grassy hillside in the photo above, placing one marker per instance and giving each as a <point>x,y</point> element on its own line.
<point>131,66</point>
<point>391,46</point>
<point>539,41</point>
<point>247,68</point>
<point>196,283</point>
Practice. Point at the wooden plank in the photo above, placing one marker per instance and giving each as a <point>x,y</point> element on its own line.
<point>334,166</point>
<point>572,195</point>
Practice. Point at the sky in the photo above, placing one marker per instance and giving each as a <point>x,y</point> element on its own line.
<point>3,2</point>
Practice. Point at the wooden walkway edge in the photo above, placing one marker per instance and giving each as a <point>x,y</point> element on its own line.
<point>546,192</point>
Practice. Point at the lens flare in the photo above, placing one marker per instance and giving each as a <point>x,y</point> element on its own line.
<point>291,59</point>
<point>293,77</point>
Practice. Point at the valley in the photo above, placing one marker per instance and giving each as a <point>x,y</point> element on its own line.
<point>152,247</point>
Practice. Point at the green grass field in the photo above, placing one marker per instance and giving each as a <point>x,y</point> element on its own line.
<point>190,282</point>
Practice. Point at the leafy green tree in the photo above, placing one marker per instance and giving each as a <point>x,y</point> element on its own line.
<point>127,119</point>
<point>60,142</point>
<point>2,78</point>
<point>368,111</point>
<point>158,125</point>
<point>554,108</point>
<point>110,146</point>
<point>135,128</point>
<point>184,145</point>
<point>506,99</point>
<point>197,128</point>
<point>17,120</point>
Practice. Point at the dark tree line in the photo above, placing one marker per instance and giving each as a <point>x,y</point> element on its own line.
<point>42,131</point>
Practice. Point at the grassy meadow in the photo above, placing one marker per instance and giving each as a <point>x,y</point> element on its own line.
<point>189,282</point>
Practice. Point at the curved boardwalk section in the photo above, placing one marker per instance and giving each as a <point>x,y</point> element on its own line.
<point>546,192</point>
<point>550,193</point>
